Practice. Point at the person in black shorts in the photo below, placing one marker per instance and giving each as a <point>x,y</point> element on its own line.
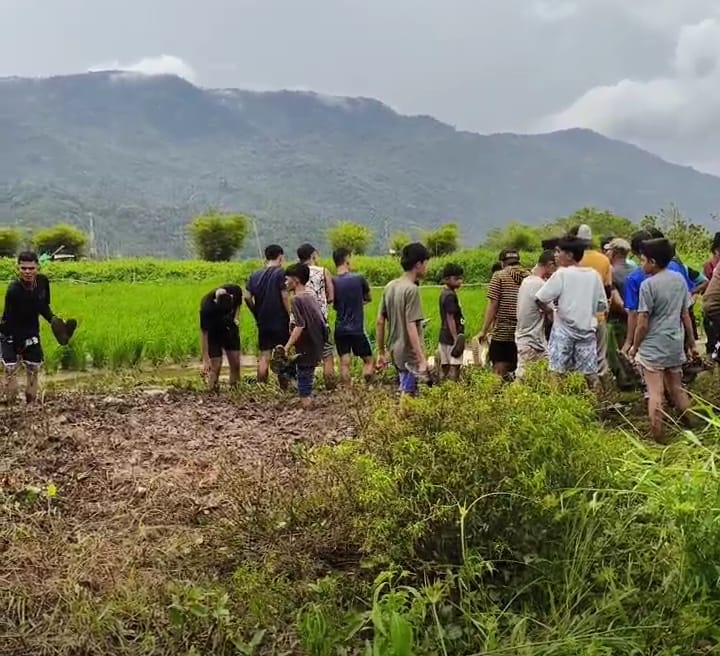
<point>352,293</point>
<point>26,300</point>
<point>268,300</point>
<point>220,332</point>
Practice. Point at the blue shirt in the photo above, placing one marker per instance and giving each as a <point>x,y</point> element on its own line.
<point>636,278</point>
<point>266,286</point>
<point>351,291</point>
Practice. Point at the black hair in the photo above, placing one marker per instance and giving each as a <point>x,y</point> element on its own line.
<point>273,252</point>
<point>452,270</point>
<point>233,290</point>
<point>413,254</point>
<point>661,251</point>
<point>28,256</point>
<point>550,244</point>
<point>655,233</point>
<point>299,271</point>
<point>305,252</point>
<point>546,257</point>
<point>225,302</point>
<point>638,238</point>
<point>340,255</point>
<point>572,233</point>
<point>576,247</point>
<point>604,241</point>
<point>497,266</point>
<point>715,245</point>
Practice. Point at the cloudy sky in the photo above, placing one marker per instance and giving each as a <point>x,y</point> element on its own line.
<point>646,71</point>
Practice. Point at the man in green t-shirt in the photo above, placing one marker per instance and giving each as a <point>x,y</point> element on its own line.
<point>401,318</point>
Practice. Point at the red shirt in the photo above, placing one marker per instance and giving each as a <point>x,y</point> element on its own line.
<point>709,267</point>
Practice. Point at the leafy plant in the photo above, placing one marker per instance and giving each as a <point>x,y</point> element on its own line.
<point>217,237</point>
<point>10,239</point>
<point>72,240</point>
<point>353,236</point>
<point>443,241</point>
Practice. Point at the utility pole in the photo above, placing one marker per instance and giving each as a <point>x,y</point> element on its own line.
<point>91,220</point>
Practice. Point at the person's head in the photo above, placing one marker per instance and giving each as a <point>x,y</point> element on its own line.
<point>452,275</point>
<point>497,266</point>
<point>297,275</point>
<point>655,255</point>
<point>655,233</point>
<point>584,233</point>
<point>637,239</point>
<point>604,242</point>
<point>308,254</point>
<point>414,259</point>
<point>550,243</point>
<point>715,245</point>
<point>509,257</point>
<point>618,250</point>
<point>28,266</point>
<point>341,257</point>
<point>274,254</point>
<point>569,251</point>
<point>546,264</point>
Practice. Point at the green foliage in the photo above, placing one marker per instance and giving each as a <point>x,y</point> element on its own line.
<point>10,239</point>
<point>71,239</point>
<point>217,237</point>
<point>443,241</point>
<point>353,236</point>
<point>601,222</point>
<point>398,241</point>
<point>515,235</point>
<point>687,236</point>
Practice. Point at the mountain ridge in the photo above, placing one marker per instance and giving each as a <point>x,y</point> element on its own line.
<point>143,154</point>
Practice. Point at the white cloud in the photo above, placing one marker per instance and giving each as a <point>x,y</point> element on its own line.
<point>676,115</point>
<point>160,65</point>
<point>553,10</point>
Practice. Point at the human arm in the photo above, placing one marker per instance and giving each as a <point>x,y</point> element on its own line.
<point>413,318</point>
<point>641,329</point>
<point>601,297</point>
<point>494,293</point>
<point>298,325</point>
<point>451,312</point>
<point>631,302</point>
<point>549,293</point>
<point>366,291</point>
<point>329,287</point>
<point>44,300</point>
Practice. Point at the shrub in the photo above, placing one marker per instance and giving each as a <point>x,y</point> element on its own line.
<point>514,235</point>
<point>444,240</point>
<point>353,236</point>
<point>9,242</point>
<point>72,240</point>
<point>398,241</point>
<point>217,237</point>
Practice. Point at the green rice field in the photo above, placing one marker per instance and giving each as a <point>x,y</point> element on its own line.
<point>125,324</point>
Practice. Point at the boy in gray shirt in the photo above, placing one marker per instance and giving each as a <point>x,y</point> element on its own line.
<point>663,335</point>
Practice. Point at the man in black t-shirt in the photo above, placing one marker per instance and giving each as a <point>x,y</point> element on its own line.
<point>26,300</point>
<point>220,332</point>
<point>268,300</point>
<point>452,323</point>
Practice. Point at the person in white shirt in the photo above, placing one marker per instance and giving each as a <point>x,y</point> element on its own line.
<point>579,295</point>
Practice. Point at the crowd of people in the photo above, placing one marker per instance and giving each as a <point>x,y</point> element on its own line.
<point>624,311</point>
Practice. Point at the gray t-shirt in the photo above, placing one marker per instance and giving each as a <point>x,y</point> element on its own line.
<point>530,330</point>
<point>401,305</point>
<point>664,298</point>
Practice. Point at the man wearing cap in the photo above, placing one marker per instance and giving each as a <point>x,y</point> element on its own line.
<point>596,260</point>
<point>501,314</point>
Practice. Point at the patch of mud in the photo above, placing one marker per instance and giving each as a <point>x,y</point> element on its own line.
<point>137,475</point>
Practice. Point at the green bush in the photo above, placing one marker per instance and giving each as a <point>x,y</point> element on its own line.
<point>10,239</point>
<point>444,240</point>
<point>514,235</point>
<point>217,237</point>
<point>398,241</point>
<point>353,236</point>
<point>72,240</point>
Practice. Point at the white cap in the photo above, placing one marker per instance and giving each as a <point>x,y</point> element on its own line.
<point>584,232</point>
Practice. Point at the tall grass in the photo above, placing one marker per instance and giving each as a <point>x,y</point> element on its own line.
<point>122,324</point>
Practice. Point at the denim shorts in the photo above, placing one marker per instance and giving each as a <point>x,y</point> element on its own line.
<point>408,383</point>
<point>305,381</point>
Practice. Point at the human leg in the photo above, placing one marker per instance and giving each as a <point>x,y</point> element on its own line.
<point>32,357</point>
<point>329,365</point>
<point>678,395</point>
<point>305,382</point>
<point>655,381</point>
<point>503,356</point>
<point>10,361</point>
<point>233,358</point>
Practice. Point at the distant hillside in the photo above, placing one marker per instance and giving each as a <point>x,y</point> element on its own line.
<point>143,154</point>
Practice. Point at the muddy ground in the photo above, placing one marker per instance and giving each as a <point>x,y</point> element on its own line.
<point>138,476</point>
